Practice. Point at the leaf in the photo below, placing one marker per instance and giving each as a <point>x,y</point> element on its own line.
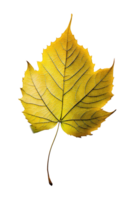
<point>66,90</point>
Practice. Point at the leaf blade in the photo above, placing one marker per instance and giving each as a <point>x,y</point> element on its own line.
<point>64,86</point>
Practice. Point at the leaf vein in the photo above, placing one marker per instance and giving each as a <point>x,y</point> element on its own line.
<point>54,95</point>
<point>39,117</point>
<point>33,103</point>
<point>72,53</point>
<point>52,77</point>
<point>76,82</point>
<point>77,71</point>
<point>73,127</point>
<point>55,64</point>
<point>73,60</point>
<point>30,95</point>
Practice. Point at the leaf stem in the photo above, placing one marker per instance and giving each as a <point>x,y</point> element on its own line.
<point>50,182</point>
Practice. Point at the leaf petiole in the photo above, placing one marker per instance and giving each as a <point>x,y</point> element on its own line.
<point>49,180</point>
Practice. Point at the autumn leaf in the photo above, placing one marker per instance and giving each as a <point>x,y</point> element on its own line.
<point>66,90</point>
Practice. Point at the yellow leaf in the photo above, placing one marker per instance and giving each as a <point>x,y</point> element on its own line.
<point>66,89</point>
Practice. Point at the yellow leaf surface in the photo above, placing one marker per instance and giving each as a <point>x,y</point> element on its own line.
<point>66,89</point>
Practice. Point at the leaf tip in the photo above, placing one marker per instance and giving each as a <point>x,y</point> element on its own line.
<point>113,62</point>
<point>26,60</point>
<point>114,110</point>
<point>71,15</point>
<point>114,58</point>
<point>69,25</point>
<point>20,87</point>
